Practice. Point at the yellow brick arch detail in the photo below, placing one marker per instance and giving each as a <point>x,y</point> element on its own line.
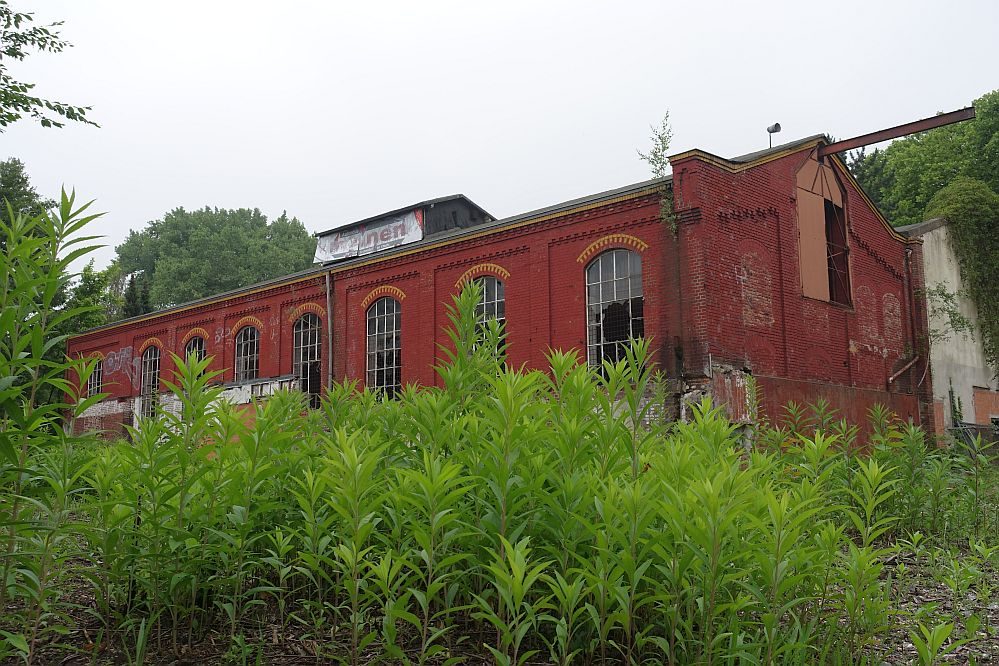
<point>314,308</point>
<point>249,320</point>
<point>611,240</point>
<point>200,332</point>
<point>384,290</point>
<point>482,269</point>
<point>149,342</point>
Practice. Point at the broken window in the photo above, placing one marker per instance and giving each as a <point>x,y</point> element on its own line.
<point>823,246</point>
<point>837,253</point>
<point>384,357</point>
<point>305,359</point>
<point>492,304</point>
<point>95,382</point>
<point>247,354</point>
<point>149,381</point>
<point>614,305</point>
<point>196,347</point>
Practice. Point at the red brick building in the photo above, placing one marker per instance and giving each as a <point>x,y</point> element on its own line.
<point>774,264</point>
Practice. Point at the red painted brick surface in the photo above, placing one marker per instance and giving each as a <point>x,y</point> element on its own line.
<point>724,290</point>
<point>986,405</point>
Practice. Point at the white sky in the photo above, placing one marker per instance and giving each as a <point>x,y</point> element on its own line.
<point>338,111</point>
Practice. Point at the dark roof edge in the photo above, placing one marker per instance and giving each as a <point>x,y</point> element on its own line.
<point>397,211</point>
<point>453,234</point>
<point>920,228</point>
<point>766,152</point>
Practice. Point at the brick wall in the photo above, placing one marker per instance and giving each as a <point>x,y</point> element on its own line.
<point>724,293</point>
<point>986,405</point>
<point>542,264</point>
<point>747,307</point>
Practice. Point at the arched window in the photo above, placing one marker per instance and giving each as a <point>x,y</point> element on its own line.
<point>492,305</point>
<point>195,346</point>
<point>385,346</point>
<point>149,381</point>
<point>614,304</point>
<point>247,354</point>
<point>305,356</point>
<point>95,382</point>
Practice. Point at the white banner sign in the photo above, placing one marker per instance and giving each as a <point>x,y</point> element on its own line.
<point>367,239</point>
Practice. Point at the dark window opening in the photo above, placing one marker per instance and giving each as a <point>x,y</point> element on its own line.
<point>614,305</point>
<point>149,382</point>
<point>306,363</point>
<point>247,354</point>
<point>384,348</point>
<point>837,254</point>
<point>95,382</point>
<point>196,347</point>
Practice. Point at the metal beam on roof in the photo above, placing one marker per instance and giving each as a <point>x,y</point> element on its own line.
<point>901,130</point>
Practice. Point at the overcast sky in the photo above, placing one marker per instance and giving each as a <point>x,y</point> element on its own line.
<point>338,111</point>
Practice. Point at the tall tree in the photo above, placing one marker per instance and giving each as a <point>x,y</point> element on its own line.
<point>131,300</point>
<point>16,189</point>
<point>903,177</point>
<point>193,254</point>
<point>97,294</point>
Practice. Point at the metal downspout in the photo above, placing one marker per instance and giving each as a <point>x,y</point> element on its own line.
<point>329,329</point>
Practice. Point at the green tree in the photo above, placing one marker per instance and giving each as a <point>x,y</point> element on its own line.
<point>17,191</point>
<point>903,177</point>
<point>132,305</point>
<point>98,295</point>
<point>972,208</point>
<point>18,38</point>
<point>193,254</point>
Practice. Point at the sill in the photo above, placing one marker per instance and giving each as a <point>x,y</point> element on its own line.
<point>847,307</point>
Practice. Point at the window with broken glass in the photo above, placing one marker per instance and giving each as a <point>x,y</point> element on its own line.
<point>306,357</point>
<point>837,254</point>
<point>247,354</point>
<point>492,303</point>
<point>614,305</point>
<point>95,382</point>
<point>150,381</point>
<point>196,347</point>
<point>384,357</point>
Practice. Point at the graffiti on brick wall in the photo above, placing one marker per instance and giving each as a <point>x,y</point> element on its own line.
<point>123,361</point>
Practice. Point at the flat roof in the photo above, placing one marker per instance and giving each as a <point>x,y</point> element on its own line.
<point>406,209</point>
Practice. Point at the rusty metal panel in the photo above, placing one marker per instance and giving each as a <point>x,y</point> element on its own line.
<point>812,245</point>
<point>729,390</point>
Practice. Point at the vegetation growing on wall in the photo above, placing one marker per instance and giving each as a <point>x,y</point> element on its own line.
<point>658,161</point>
<point>972,209</point>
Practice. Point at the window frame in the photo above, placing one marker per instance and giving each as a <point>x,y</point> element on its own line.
<point>837,254</point>
<point>149,381</point>
<point>246,354</point>
<point>308,325</point>
<point>379,316</point>
<point>598,347</point>
<point>190,346</point>
<point>95,382</point>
